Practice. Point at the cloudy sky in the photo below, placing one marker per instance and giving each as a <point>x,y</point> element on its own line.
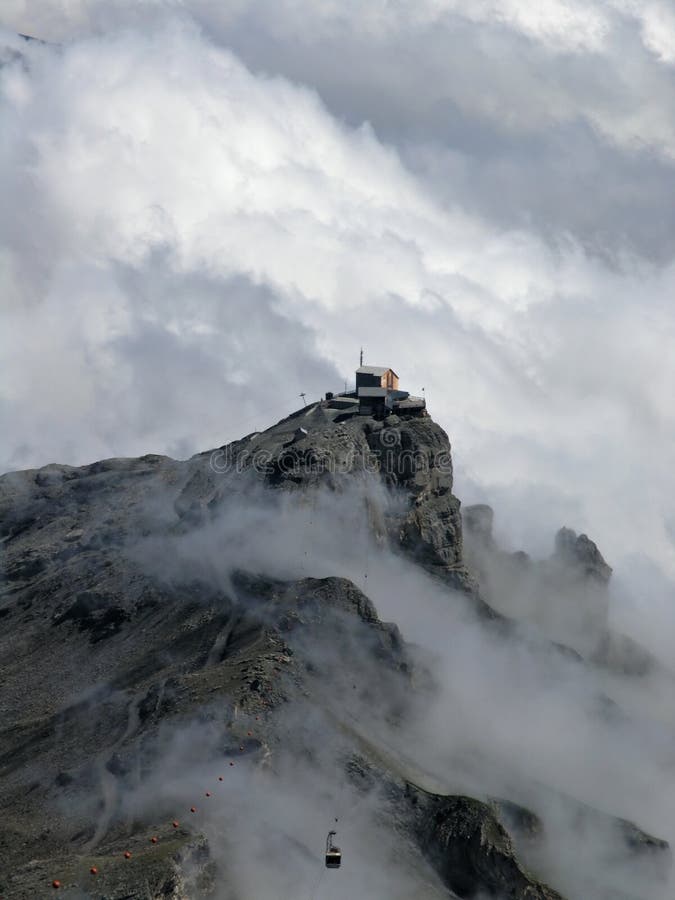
<point>210,205</point>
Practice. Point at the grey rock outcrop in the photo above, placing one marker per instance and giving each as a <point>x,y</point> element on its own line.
<point>580,556</point>
<point>474,852</point>
<point>478,520</point>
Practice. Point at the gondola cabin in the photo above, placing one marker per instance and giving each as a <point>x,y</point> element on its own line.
<point>333,853</point>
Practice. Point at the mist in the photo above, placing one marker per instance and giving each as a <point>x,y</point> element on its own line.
<point>492,714</point>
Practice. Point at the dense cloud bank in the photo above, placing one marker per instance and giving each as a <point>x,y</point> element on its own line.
<point>213,206</point>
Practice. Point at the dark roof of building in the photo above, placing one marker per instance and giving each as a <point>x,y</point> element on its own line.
<point>374,370</point>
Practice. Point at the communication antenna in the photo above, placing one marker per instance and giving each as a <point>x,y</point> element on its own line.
<point>303,395</point>
<point>361,357</point>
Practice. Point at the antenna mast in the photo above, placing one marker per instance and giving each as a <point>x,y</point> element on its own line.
<point>361,357</point>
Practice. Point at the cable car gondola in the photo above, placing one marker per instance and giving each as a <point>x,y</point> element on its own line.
<point>333,853</point>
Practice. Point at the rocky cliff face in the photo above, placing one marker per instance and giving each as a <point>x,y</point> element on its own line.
<point>108,644</point>
<point>566,595</point>
<point>321,446</point>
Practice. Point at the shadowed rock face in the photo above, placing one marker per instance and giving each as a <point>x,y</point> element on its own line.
<point>473,850</point>
<point>581,555</point>
<point>101,653</point>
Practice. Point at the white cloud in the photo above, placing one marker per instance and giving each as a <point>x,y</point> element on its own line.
<point>657,25</point>
<point>563,25</point>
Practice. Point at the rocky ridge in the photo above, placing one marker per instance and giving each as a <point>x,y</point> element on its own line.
<point>99,653</point>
